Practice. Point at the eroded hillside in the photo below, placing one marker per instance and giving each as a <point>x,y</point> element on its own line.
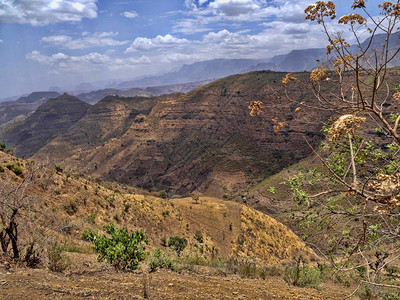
<point>66,206</point>
<point>204,141</point>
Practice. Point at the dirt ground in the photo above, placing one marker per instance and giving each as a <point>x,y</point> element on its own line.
<point>87,279</point>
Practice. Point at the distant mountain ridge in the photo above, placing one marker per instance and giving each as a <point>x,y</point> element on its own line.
<point>23,105</point>
<point>95,96</point>
<point>198,71</point>
<point>50,119</point>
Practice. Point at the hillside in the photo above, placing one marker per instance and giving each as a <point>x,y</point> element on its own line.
<point>50,119</point>
<point>23,105</point>
<point>203,141</point>
<point>77,203</point>
<point>63,206</point>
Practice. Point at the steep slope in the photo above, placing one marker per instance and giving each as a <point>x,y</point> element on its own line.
<point>77,203</point>
<point>49,119</point>
<point>107,120</point>
<point>23,105</point>
<point>204,141</point>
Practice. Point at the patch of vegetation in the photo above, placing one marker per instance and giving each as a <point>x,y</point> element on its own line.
<point>15,167</point>
<point>159,259</point>
<point>302,276</point>
<point>177,243</point>
<point>162,194</point>
<point>58,168</point>
<point>58,261</point>
<point>91,218</point>
<point>121,249</point>
<point>198,236</point>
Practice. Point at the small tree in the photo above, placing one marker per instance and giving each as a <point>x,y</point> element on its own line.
<point>122,249</point>
<point>177,243</point>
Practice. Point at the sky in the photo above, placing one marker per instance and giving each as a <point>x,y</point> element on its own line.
<point>63,43</point>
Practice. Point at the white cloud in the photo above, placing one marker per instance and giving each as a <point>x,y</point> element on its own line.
<point>235,7</point>
<point>44,12</point>
<point>97,39</point>
<point>1,41</point>
<point>85,61</point>
<point>130,14</point>
<point>167,41</point>
<point>203,16</point>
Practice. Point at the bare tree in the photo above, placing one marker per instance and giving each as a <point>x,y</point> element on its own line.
<point>20,215</point>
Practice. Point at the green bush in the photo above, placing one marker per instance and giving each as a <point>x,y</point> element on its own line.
<point>163,194</point>
<point>302,276</point>
<point>2,146</point>
<point>58,168</point>
<point>198,236</point>
<point>159,259</point>
<point>122,249</point>
<point>16,168</point>
<point>177,243</point>
<point>58,261</point>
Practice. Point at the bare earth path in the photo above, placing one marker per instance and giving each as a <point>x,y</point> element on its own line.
<point>94,281</point>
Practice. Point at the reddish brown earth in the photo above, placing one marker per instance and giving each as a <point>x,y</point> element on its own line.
<point>192,142</point>
<point>87,279</point>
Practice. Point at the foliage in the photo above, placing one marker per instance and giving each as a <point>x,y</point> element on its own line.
<point>177,243</point>
<point>360,186</point>
<point>58,168</point>
<point>159,259</point>
<point>58,261</point>
<point>198,236</point>
<point>163,194</point>
<point>302,276</point>
<point>122,249</point>
<point>15,167</point>
<point>2,146</point>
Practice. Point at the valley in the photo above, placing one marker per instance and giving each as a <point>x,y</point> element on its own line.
<point>224,164</point>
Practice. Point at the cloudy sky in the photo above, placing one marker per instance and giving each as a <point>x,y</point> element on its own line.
<point>63,43</point>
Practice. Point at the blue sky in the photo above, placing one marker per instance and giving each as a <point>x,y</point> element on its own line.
<point>63,43</point>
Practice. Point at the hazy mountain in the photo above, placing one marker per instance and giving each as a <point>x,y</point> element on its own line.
<point>49,120</point>
<point>95,96</point>
<point>307,59</point>
<point>23,106</point>
<point>199,71</point>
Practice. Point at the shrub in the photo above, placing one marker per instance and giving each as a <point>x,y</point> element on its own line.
<point>2,146</point>
<point>198,236</point>
<point>58,168</point>
<point>302,276</point>
<point>91,218</point>
<point>58,261</point>
<point>163,194</point>
<point>159,259</point>
<point>177,243</point>
<point>16,168</point>
<point>392,270</point>
<point>122,249</point>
